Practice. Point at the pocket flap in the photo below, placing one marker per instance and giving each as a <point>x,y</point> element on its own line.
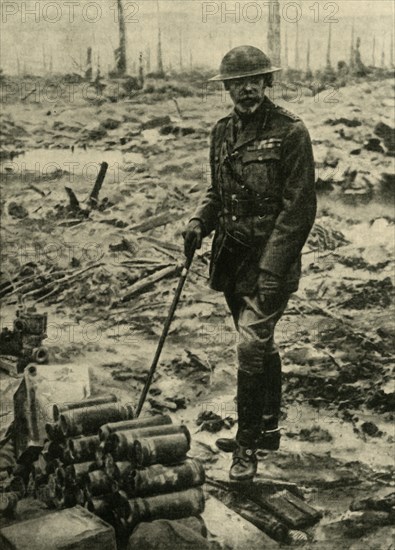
<point>261,155</point>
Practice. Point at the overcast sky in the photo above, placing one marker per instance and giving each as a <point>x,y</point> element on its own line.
<point>30,41</point>
<point>346,7</point>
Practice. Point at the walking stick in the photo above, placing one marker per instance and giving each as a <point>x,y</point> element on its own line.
<point>166,327</point>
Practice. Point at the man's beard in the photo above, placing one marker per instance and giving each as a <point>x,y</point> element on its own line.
<point>248,105</point>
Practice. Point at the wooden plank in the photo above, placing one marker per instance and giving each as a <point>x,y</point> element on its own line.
<point>40,388</point>
<point>145,283</point>
<point>71,529</point>
<point>231,530</point>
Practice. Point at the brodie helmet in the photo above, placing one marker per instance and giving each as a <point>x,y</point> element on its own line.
<point>244,61</point>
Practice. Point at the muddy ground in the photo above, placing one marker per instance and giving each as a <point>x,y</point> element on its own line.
<point>338,332</point>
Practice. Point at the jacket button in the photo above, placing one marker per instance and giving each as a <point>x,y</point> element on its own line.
<point>260,158</point>
<point>234,218</point>
<point>234,196</point>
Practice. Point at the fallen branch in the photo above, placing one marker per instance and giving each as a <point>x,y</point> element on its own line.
<point>171,250</point>
<point>143,284</point>
<point>327,313</point>
<point>51,293</point>
<point>28,94</point>
<point>71,222</point>
<point>36,189</point>
<point>154,221</point>
<point>66,279</point>
<point>163,244</point>
<point>26,282</point>
<point>146,266</point>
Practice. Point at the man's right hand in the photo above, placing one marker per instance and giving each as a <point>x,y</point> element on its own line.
<point>193,236</point>
<point>270,292</point>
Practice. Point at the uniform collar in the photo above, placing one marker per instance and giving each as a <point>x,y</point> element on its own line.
<point>253,128</point>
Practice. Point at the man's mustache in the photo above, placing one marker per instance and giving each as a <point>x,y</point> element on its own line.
<point>243,97</point>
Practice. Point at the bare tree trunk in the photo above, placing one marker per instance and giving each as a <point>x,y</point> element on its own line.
<point>141,70</point>
<point>297,46</point>
<point>360,67</point>
<point>309,74</point>
<point>148,61</point>
<point>160,57</point>
<point>120,53</point>
<point>44,61</point>
<point>352,53</point>
<point>374,52</point>
<point>328,51</point>
<point>180,49</point>
<point>274,33</point>
<point>286,62</point>
<point>383,57</point>
<point>88,69</point>
<point>392,51</point>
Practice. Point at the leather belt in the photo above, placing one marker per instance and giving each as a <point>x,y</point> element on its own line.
<point>242,208</point>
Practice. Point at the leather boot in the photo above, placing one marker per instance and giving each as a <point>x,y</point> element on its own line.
<point>269,440</point>
<point>249,409</point>
<point>244,464</point>
<point>270,436</point>
<point>270,385</point>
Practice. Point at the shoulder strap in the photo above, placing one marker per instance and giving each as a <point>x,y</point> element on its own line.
<point>287,113</point>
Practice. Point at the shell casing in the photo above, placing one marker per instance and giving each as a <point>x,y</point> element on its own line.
<point>75,473</point>
<point>176,505</point>
<point>59,408</point>
<point>158,478</point>
<point>83,449</point>
<point>120,444</point>
<point>87,421</point>
<point>137,423</point>
<point>163,449</point>
<point>98,483</point>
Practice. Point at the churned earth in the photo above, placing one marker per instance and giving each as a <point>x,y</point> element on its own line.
<point>106,277</point>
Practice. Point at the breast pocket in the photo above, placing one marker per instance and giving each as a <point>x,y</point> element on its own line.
<point>260,171</point>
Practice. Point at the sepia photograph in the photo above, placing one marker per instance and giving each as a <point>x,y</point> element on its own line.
<point>197,237</point>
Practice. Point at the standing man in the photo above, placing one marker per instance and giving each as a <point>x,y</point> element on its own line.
<point>262,205</point>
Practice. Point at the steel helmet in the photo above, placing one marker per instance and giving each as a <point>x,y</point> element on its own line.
<point>244,61</point>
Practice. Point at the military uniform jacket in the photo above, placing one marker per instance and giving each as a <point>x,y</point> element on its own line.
<point>261,201</point>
